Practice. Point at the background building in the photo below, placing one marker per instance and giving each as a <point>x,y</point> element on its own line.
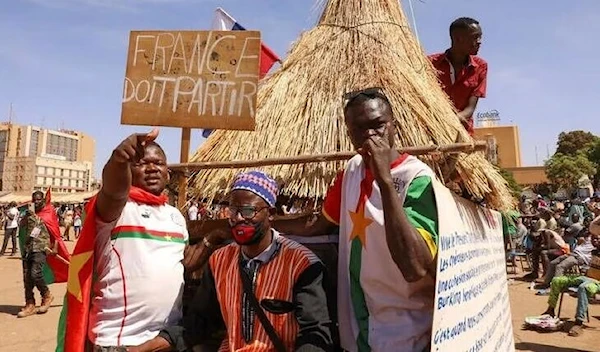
<point>35,158</point>
<point>504,149</point>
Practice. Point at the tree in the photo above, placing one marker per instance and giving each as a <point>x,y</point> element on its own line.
<point>544,189</point>
<point>515,188</point>
<point>569,143</point>
<point>565,170</point>
<point>594,157</point>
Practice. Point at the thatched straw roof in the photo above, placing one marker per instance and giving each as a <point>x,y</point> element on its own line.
<point>357,44</point>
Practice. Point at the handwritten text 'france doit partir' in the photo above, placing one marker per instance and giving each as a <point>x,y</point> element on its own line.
<point>182,68</point>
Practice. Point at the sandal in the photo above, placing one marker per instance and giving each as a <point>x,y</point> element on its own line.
<point>576,330</point>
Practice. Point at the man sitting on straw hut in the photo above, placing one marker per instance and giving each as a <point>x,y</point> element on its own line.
<point>384,205</point>
<point>261,266</point>
<point>462,74</point>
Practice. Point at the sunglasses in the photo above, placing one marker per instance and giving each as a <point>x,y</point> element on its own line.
<point>373,92</point>
<point>247,212</point>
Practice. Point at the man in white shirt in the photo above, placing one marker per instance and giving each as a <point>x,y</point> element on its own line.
<point>139,243</point>
<point>10,230</point>
<point>68,222</point>
<point>193,211</point>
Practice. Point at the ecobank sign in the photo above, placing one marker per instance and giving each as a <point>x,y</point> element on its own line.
<point>492,115</point>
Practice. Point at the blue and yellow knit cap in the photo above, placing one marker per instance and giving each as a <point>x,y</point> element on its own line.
<point>258,183</point>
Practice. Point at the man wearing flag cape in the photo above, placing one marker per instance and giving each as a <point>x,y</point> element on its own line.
<point>126,274</point>
<point>385,207</point>
<point>45,257</point>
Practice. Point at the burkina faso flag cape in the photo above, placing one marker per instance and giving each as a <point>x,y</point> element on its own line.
<point>73,323</point>
<point>56,268</point>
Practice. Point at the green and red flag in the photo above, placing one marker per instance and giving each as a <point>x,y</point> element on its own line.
<point>73,323</point>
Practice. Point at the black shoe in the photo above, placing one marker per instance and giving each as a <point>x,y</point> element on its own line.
<point>531,276</point>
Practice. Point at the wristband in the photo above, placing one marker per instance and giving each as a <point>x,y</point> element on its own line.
<point>206,243</point>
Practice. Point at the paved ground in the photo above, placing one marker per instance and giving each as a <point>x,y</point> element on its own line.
<point>38,333</point>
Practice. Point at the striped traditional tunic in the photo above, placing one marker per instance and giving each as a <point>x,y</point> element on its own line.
<point>274,280</point>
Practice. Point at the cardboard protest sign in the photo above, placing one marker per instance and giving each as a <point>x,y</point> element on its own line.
<point>194,79</point>
<point>472,309</point>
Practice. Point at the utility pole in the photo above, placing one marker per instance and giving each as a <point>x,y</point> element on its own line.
<point>10,114</point>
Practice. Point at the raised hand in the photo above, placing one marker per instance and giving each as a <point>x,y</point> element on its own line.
<point>132,147</point>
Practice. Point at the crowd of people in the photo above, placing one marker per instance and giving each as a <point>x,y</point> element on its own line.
<point>70,217</point>
<point>260,290</point>
<point>564,237</point>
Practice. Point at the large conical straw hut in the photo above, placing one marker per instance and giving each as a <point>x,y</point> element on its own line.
<point>356,44</point>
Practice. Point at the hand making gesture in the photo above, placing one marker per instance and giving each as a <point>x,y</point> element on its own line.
<point>132,147</point>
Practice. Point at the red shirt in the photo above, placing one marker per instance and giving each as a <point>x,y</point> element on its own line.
<point>471,81</point>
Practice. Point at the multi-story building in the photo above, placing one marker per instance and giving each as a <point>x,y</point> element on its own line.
<point>34,158</point>
<point>504,150</point>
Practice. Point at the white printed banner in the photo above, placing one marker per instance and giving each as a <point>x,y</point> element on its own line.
<point>472,308</point>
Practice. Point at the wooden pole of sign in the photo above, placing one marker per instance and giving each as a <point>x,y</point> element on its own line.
<point>303,159</point>
<point>184,157</point>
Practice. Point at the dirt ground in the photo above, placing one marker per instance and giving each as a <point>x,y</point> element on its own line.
<point>38,333</point>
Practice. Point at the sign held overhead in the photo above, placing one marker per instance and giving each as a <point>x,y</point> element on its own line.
<point>193,79</point>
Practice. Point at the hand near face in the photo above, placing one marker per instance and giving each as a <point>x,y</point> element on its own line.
<point>377,154</point>
<point>132,148</point>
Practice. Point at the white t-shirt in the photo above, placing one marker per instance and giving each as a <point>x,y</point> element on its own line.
<point>14,223</point>
<point>399,313</point>
<point>193,213</point>
<point>139,272</point>
<point>68,216</point>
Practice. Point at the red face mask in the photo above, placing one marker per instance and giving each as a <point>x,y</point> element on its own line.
<point>247,234</point>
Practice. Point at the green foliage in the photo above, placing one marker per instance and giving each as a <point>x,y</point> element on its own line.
<point>565,170</point>
<point>515,188</point>
<point>569,143</point>
<point>545,189</point>
<point>594,157</point>
<point>594,152</point>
